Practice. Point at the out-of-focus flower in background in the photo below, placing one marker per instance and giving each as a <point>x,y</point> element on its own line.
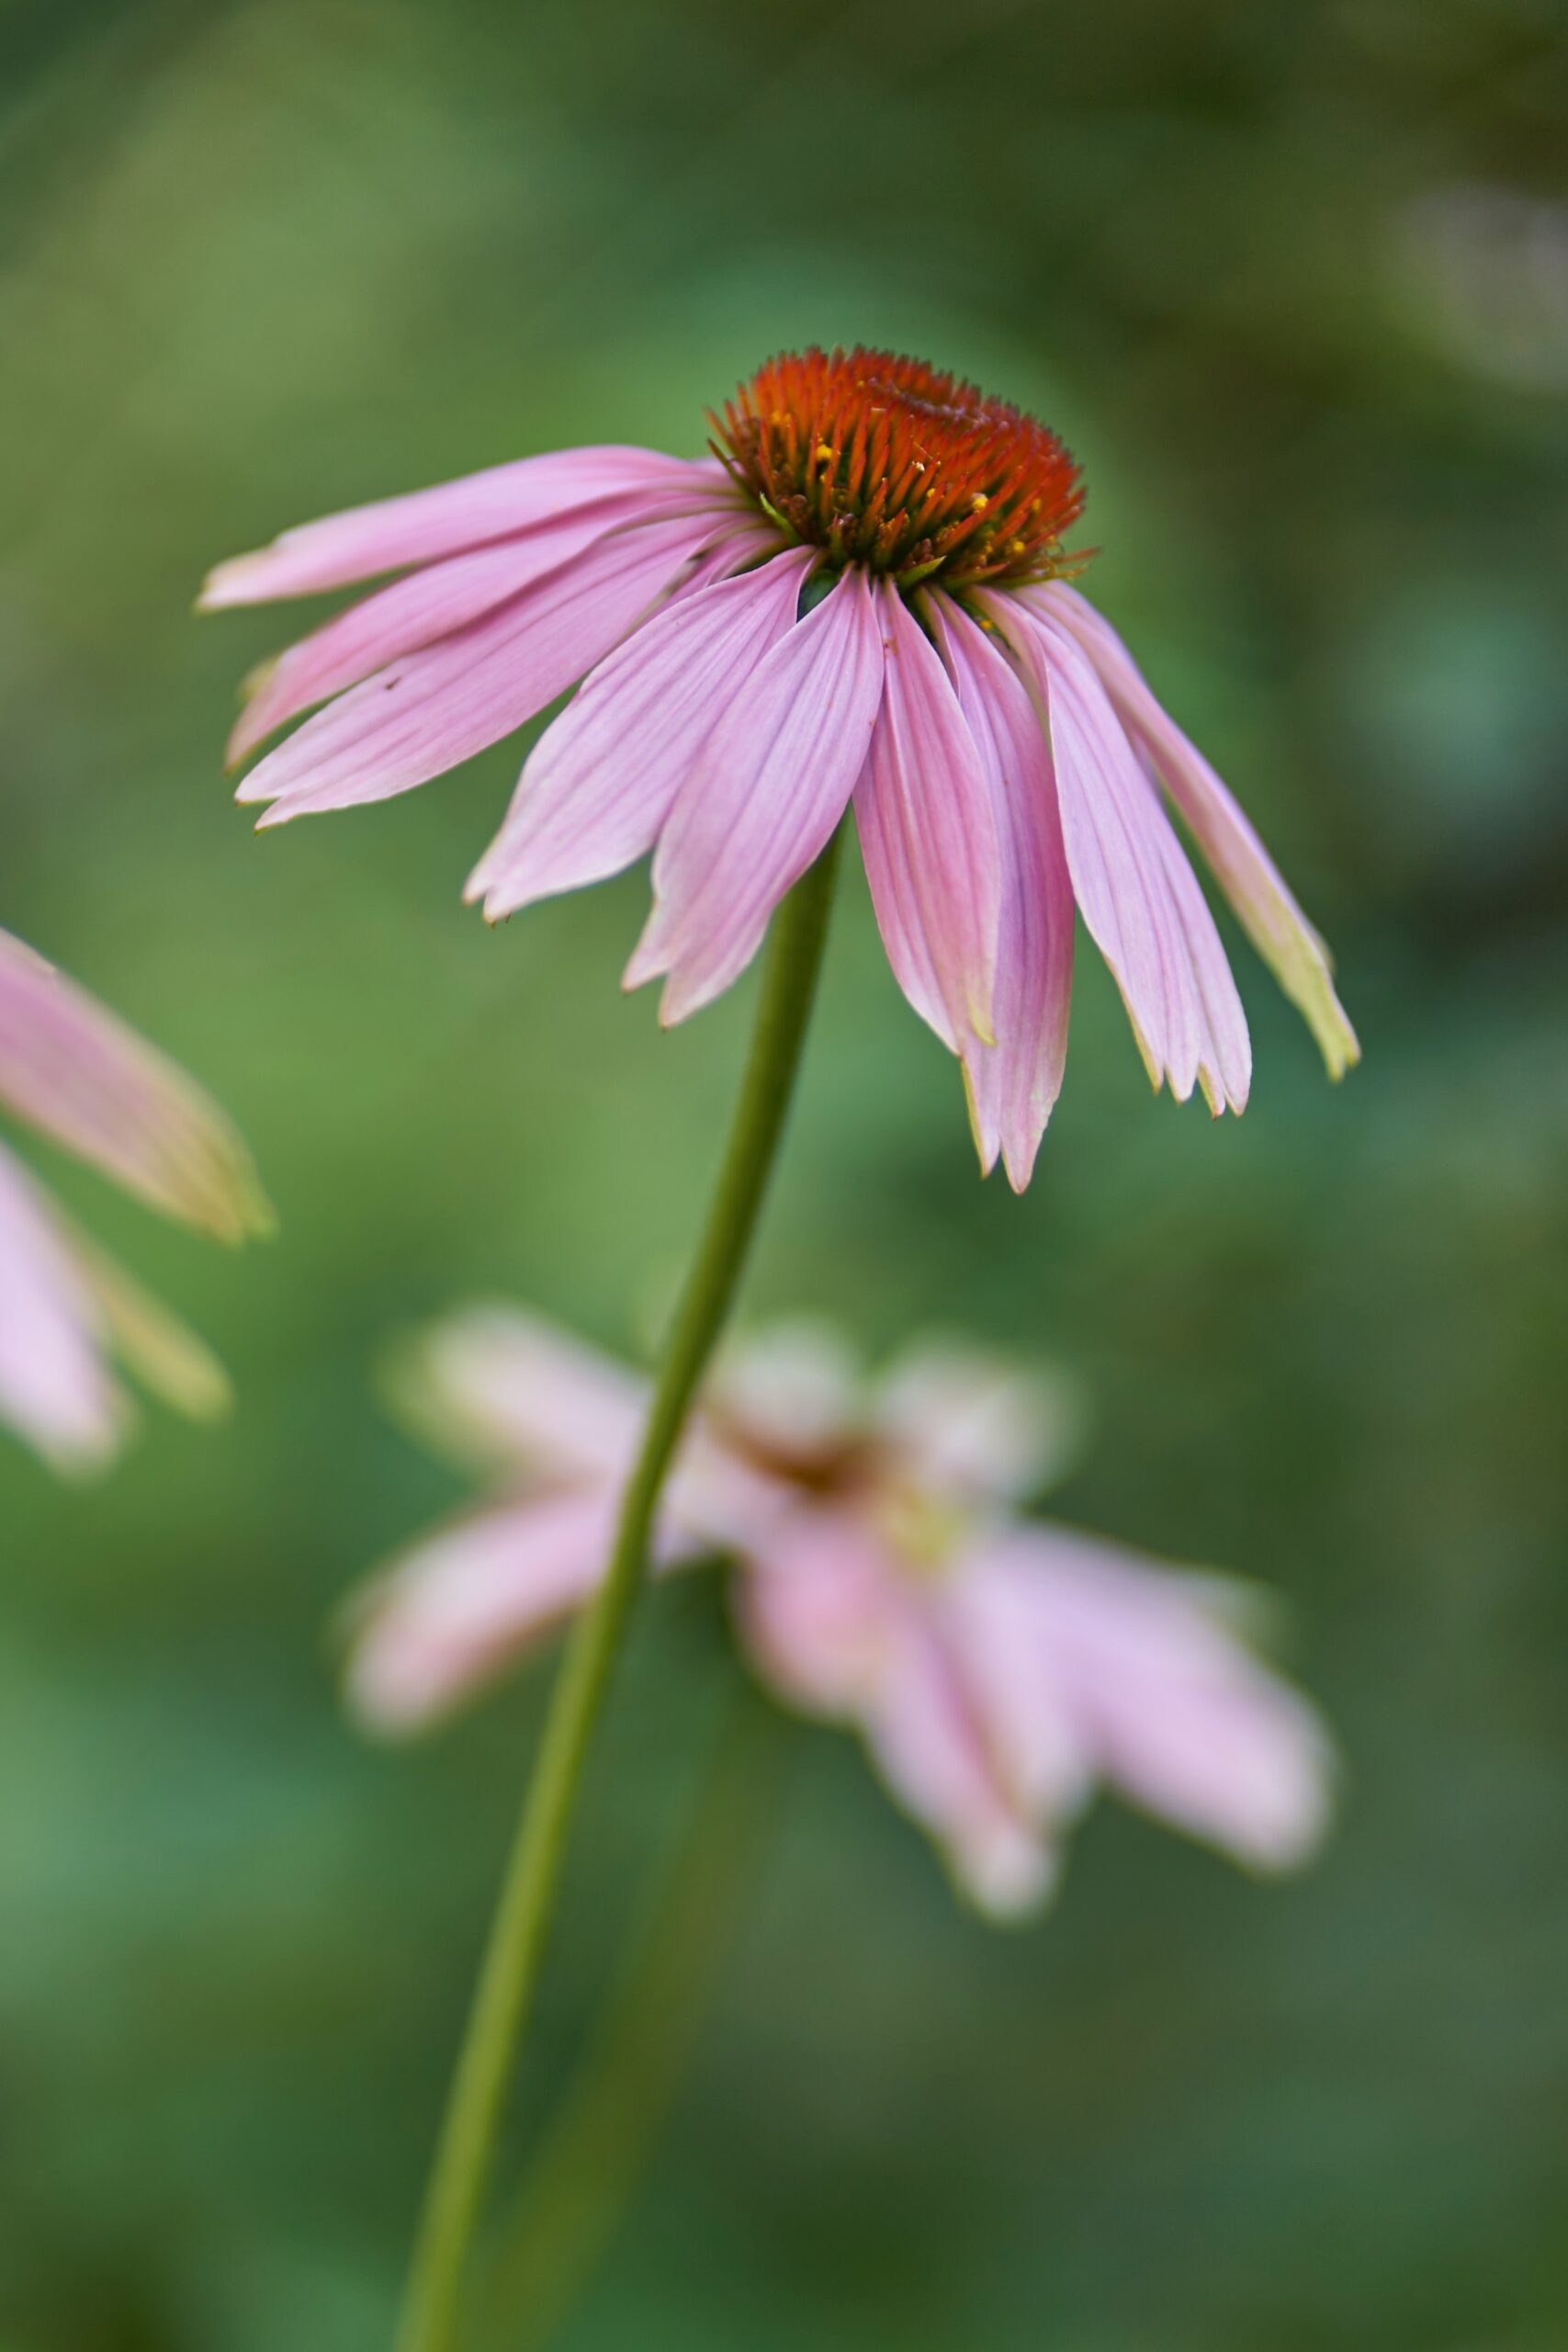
<point>1482,269</point>
<point>78,1075</point>
<point>862,595</point>
<point>997,1668</point>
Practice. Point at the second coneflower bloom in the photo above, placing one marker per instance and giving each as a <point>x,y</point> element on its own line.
<point>863,594</point>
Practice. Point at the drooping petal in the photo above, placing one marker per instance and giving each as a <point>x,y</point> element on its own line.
<point>930,1736</point>
<point>601,782</point>
<point>79,1075</point>
<point>427,524</point>
<point>818,1606</point>
<point>1157,938</point>
<point>928,835</point>
<point>1014,1084</point>
<point>55,1389</point>
<point>168,1358</point>
<point>1167,1700</point>
<point>428,710</point>
<point>765,794</point>
<point>835,1626</point>
<point>972,1426</point>
<point>427,605</point>
<point>504,1388</point>
<point>1243,868</point>
<point>460,1608</point>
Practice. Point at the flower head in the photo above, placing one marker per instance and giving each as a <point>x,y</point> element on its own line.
<point>996,1667</point>
<point>862,595</point>
<point>69,1069</point>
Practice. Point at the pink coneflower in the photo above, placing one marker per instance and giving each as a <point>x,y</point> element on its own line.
<point>863,594</point>
<point>69,1069</point>
<point>997,1668</point>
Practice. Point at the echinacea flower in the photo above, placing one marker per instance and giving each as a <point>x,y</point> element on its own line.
<point>997,1668</point>
<point>862,595</point>
<point>76,1074</point>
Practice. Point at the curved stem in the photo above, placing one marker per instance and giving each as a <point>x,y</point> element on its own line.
<point>581,2176</point>
<point>510,1973</point>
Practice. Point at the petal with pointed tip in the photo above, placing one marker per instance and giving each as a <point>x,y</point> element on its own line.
<point>1015,1082</point>
<point>1243,868</point>
<point>602,780</point>
<point>428,710</point>
<point>765,794</point>
<point>424,524</point>
<point>928,833</point>
<point>78,1074</point>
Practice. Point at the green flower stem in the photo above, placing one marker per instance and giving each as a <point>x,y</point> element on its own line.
<point>509,1975</point>
<point>578,2181</point>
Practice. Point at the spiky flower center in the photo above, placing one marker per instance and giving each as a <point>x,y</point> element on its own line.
<point>887,462</point>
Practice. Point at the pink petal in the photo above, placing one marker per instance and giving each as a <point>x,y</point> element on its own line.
<point>80,1076</point>
<point>428,710</point>
<point>974,1427</point>
<point>1015,1083</point>
<point>765,792</point>
<point>1157,938</point>
<point>1243,868</point>
<point>55,1387</point>
<point>928,835</point>
<point>428,523</point>
<point>429,603</point>
<point>819,1605</point>
<point>1168,1702</point>
<point>932,1745</point>
<point>835,1626</point>
<point>502,1387</point>
<point>601,782</point>
<point>459,1609</point>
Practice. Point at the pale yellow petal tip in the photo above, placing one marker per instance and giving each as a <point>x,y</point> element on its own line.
<point>985,1153</point>
<point>229,582</point>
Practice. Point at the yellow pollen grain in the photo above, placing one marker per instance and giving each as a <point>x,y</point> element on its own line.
<point>979,502</point>
<point>823,453</point>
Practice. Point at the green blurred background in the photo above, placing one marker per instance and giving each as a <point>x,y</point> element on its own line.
<point>1293,281</point>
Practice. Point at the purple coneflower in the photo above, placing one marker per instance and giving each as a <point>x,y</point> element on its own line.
<point>863,594</point>
<point>997,1668</point>
<point>69,1069</point>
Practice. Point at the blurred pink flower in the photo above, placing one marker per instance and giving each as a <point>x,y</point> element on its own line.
<point>69,1069</point>
<point>862,595</point>
<point>997,1668</point>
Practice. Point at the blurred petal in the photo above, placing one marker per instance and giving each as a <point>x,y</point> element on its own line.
<point>428,604</point>
<point>1241,866</point>
<point>1157,937</point>
<point>82,1077</point>
<point>449,1617</point>
<point>164,1353</point>
<point>935,1749</point>
<point>795,1389</point>
<point>502,1387</point>
<point>835,1627</point>
<point>428,710</point>
<point>762,798</point>
<point>928,833</point>
<point>974,1426</point>
<point>1014,1084</point>
<point>601,782</point>
<point>427,524</point>
<point>1168,1702</point>
<point>455,1612</point>
<point>818,1606</point>
<point>55,1387</point>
